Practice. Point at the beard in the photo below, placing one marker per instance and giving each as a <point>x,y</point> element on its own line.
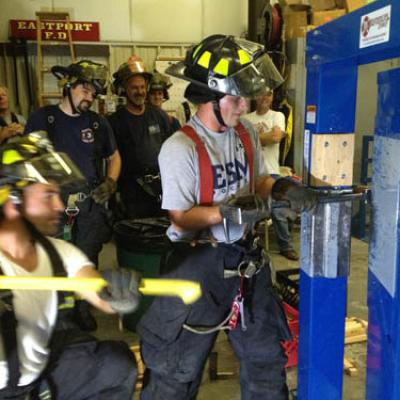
<point>84,106</point>
<point>137,101</point>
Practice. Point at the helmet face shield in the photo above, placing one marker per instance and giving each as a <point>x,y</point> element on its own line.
<point>246,83</point>
<point>96,75</point>
<point>56,167</point>
<point>31,159</point>
<point>257,76</point>
<point>84,71</point>
<point>250,81</point>
<point>177,70</point>
<point>268,70</point>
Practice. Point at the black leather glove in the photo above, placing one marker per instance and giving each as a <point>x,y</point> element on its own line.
<point>247,209</point>
<point>298,196</point>
<point>122,291</point>
<point>104,191</point>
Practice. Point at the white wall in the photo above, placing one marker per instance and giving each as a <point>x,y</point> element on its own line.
<point>140,20</point>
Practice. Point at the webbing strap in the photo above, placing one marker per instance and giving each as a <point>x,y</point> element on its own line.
<point>206,172</point>
<point>186,110</point>
<point>205,168</point>
<point>8,324</point>
<point>8,329</point>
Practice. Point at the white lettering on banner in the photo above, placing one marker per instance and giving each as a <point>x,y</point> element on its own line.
<point>375,27</point>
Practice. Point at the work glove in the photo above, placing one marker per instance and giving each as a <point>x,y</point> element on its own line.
<point>122,291</point>
<point>298,196</point>
<point>104,191</point>
<point>245,209</point>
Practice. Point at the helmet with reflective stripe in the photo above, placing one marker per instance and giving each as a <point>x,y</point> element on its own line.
<point>32,159</point>
<point>228,65</point>
<point>134,66</point>
<point>84,71</point>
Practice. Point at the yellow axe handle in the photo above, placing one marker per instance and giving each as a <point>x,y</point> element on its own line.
<point>188,291</point>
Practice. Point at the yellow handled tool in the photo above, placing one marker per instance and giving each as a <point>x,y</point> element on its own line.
<point>188,291</point>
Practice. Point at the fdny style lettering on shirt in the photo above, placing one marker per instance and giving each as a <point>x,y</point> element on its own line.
<point>229,174</point>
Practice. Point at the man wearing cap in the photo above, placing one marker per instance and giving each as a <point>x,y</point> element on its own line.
<point>214,188</point>
<point>88,139</point>
<point>140,129</point>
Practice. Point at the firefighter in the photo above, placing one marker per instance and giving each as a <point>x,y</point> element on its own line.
<point>158,94</point>
<point>140,130</point>
<point>42,351</point>
<point>215,190</point>
<point>88,139</point>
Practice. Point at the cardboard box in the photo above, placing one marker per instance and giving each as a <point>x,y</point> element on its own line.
<point>295,2</point>
<point>296,8</point>
<point>322,5</point>
<point>322,17</point>
<point>295,24</point>
<point>352,5</point>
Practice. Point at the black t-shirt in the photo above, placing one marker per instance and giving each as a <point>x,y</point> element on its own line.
<point>139,139</point>
<point>75,136</point>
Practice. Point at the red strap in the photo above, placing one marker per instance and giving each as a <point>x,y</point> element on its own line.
<point>205,168</point>
<point>248,149</point>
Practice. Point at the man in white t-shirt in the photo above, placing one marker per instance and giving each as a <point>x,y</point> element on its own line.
<point>270,127</point>
<point>42,353</point>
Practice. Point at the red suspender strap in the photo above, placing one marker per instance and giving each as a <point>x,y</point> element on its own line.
<point>205,168</point>
<point>248,149</point>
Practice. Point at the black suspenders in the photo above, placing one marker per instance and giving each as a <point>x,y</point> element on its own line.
<point>8,325</point>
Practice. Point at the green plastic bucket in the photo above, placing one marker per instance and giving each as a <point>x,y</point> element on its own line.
<point>141,245</point>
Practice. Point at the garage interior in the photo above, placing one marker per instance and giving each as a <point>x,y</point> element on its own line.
<point>161,32</point>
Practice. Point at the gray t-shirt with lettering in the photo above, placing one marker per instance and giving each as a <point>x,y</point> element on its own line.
<point>179,166</point>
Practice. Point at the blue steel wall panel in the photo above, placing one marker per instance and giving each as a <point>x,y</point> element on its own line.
<point>383,358</point>
<point>340,39</point>
<point>322,307</point>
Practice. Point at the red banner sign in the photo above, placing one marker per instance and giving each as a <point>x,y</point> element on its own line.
<point>56,30</point>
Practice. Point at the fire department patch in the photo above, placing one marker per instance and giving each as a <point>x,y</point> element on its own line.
<point>87,136</point>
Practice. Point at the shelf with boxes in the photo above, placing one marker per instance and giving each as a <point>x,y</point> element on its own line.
<point>301,16</point>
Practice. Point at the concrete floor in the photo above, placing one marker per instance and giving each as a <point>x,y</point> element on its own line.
<point>228,388</point>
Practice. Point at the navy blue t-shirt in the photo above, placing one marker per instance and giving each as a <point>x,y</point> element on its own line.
<point>74,136</point>
<point>139,139</point>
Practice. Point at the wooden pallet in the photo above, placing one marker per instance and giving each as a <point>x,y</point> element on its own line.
<point>355,332</point>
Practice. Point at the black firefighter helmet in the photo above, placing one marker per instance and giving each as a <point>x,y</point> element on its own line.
<point>227,65</point>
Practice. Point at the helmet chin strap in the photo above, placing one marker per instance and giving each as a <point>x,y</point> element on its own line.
<point>217,113</point>
<point>71,103</point>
